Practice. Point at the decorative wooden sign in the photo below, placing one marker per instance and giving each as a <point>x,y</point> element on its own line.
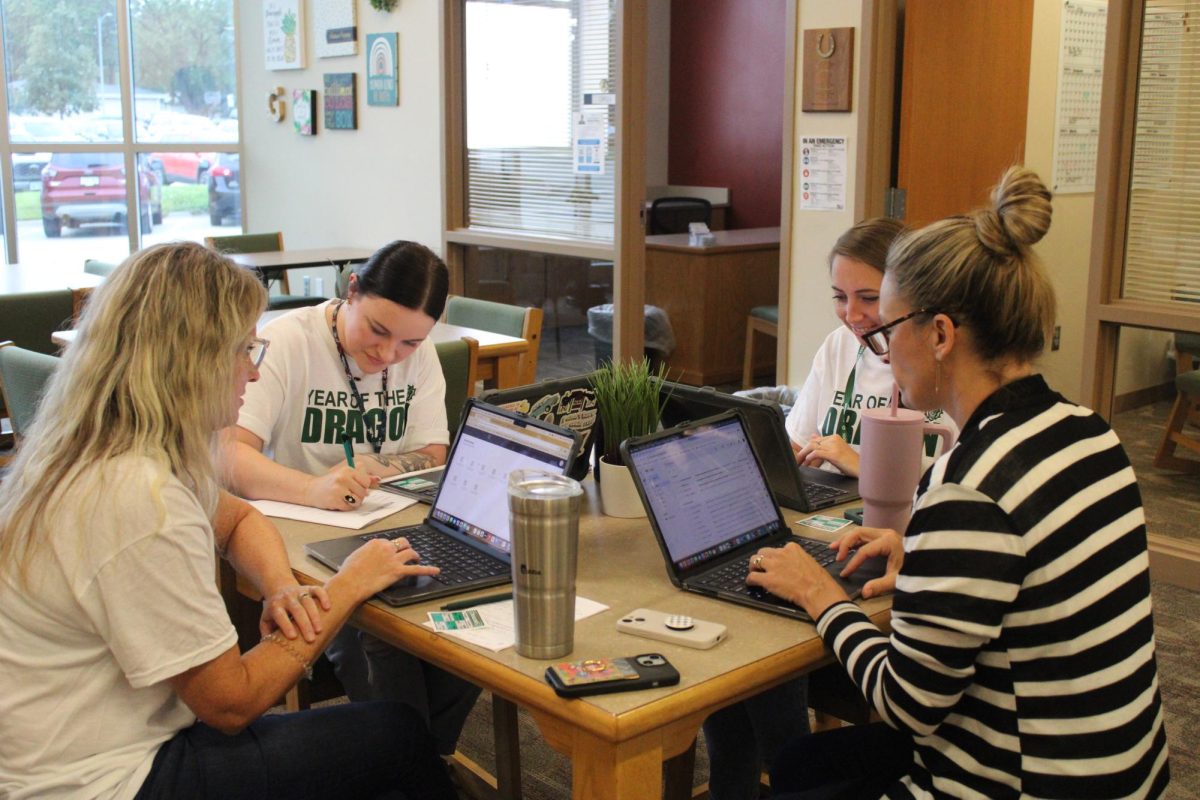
<point>828,69</point>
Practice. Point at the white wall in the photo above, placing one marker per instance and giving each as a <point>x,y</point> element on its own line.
<point>814,232</point>
<point>360,188</point>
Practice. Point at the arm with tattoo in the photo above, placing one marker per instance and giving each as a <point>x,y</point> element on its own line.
<point>399,463</point>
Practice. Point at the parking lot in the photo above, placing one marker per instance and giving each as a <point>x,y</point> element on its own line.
<point>109,243</point>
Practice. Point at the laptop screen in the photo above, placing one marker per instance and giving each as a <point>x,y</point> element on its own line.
<point>705,490</point>
<point>474,494</point>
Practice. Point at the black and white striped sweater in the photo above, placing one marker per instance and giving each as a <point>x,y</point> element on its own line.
<point>1021,658</point>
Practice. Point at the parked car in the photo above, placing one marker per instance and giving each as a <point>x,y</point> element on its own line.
<point>181,167</point>
<point>225,189</point>
<point>88,190</point>
<point>27,171</point>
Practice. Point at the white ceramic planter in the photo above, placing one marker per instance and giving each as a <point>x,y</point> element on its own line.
<point>618,495</point>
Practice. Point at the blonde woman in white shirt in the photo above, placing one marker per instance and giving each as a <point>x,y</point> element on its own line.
<point>121,670</point>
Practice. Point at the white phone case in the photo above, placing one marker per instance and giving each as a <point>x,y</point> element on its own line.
<point>653,625</point>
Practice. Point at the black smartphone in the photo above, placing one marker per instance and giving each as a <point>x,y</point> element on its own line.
<point>604,675</point>
<point>854,515</point>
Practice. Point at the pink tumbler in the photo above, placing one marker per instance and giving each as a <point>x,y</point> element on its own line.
<point>889,465</point>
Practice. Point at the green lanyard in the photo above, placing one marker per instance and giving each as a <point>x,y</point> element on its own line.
<point>850,380</point>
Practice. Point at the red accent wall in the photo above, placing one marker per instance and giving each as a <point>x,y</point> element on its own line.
<point>726,113</point>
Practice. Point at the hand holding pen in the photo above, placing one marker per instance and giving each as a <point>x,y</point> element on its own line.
<point>342,488</point>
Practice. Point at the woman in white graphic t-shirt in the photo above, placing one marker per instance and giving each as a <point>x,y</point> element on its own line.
<point>846,378</point>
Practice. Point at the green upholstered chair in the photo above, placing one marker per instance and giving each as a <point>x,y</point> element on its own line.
<point>23,376</point>
<point>459,360</point>
<point>28,319</point>
<point>263,243</point>
<point>504,319</point>
<point>102,268</point>
<point>762,320</point>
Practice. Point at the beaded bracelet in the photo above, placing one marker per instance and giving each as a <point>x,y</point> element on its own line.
<point>292,651</point>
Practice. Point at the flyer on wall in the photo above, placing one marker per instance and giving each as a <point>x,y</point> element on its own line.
<point>822,173</point>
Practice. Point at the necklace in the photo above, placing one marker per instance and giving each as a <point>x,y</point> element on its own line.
<point>374,430</point>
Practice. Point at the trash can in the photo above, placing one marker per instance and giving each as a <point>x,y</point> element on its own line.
<point>659,338</point>
<point>783,396</point>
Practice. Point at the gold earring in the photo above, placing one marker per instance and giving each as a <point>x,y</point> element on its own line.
<point>937,377</point>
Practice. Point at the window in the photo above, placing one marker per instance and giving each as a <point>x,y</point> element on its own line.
<point>106,154</point>
<point>1162,256</point>
<point>530,65</point>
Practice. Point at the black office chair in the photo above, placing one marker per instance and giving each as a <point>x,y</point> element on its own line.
<point>672,214</point>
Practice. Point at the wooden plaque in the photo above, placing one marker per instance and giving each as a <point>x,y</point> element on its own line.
<point>828,69</point>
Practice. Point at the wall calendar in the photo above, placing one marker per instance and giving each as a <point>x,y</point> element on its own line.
<point>1077,110</point>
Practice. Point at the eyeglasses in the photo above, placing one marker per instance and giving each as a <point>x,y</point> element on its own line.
<point>877,339</point>
<point>256,351</point>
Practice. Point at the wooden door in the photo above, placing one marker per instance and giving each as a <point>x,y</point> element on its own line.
<point>963,99</point>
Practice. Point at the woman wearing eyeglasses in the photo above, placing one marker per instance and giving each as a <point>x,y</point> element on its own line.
<point>846,377</point>
<point>1021,657</point>
<point>120,668</point>
<point>363,368</point>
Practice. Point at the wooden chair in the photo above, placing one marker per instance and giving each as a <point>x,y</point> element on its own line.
<point>23,377</point>
<point>460,364</point>
<point>762,320</point>
<point>505,319</point>
<point>263,243</point>
<point>1186,409</point>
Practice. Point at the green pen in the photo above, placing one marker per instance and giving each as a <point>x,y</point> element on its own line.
<point>349,450</point>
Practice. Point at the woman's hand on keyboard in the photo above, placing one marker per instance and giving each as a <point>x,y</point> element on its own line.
<point>871,542</point>
<point>337,488</point>
<point>381,562</point>
<point>794,575</point>
<point>833,449</point>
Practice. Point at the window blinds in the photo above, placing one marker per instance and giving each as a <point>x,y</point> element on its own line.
<point>529,64</point>
<point>1162,250</point>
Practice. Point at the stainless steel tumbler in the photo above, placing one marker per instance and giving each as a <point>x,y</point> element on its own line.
<point>543,512</point>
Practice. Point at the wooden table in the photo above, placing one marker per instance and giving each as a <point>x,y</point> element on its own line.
<point>617,743</point>
<point>707,293</point>
<point>272,265</point>
<point>498,354</point>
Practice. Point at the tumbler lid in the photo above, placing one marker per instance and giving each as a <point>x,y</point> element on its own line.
<point>536,484</point>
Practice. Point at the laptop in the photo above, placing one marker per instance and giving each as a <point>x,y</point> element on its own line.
<point>466,532</point>
<point>804,489</point>
<point>711,509</point>
<point>568,402</point>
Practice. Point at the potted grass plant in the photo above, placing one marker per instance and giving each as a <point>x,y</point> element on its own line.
<point>630,403</point>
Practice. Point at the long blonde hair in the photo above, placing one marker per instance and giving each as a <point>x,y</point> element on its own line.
<point>150,373</point>
<point>980,269</point>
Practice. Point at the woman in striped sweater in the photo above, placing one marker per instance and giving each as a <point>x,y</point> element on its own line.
<point>1021,658</point>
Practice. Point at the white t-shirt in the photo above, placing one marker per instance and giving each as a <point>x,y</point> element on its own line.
<point>302,403</point>
<point>122,599</point>
<point>847,378</point>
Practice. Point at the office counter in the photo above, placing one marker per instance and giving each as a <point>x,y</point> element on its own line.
<point>707,293</point>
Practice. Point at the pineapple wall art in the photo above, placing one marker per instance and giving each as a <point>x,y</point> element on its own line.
<point>283,32</point>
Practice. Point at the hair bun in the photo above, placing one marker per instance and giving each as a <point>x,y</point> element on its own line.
<point>1020,213</point>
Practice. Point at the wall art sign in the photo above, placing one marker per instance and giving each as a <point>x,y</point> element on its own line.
<point>283,34</point>
<point>341,108</point>
<point>383,69</point>
<point>335,27</point>
<point>304,111</point>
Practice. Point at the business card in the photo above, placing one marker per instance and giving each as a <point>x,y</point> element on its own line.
<point>465,620</point>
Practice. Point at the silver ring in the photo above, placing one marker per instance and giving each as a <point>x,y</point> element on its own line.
<point>756,562</point>
<point>304,595</point>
